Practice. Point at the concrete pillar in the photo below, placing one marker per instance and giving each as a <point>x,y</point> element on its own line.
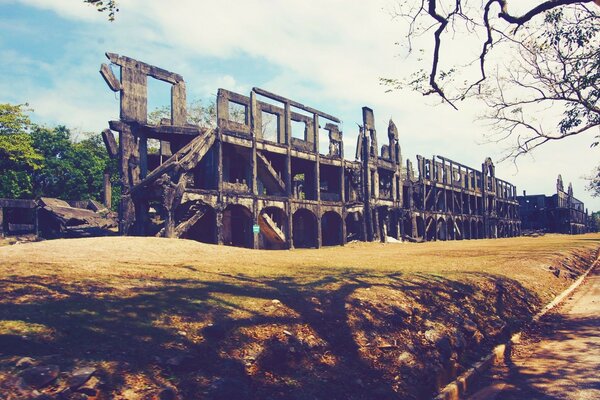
<point>1,222</point>
<point>319,232</point>
<point>107,192</point>
<point>219,226</point>
<point>290,226</point>
<point>344,233</point>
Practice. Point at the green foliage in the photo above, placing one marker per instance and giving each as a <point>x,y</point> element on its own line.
<point>594,184</point>
<point>72,170</point>
<point>572,38</point>
<point>38,161</point>
<point>596,219</point>
<point>199,114</point>
<point>109,6</point>
<point>14,119</point>
<point>18,157</point>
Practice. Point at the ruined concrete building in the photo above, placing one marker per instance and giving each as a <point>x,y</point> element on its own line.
<point>559,213</point>
<point>263,179</point>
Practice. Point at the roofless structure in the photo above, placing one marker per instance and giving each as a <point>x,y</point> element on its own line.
<point>272,175</point>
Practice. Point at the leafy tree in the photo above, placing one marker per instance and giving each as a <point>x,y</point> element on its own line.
<point>553,61</point>
<point>557,67</point>
<point>72,170</point>
<point>594,184</point>
<point>554,64</point>
<point>18,157</point>
<point>109,6</point>
<point>205,116</point>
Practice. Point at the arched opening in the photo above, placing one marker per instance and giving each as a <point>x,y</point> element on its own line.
<point>305,229</point>
<point>273,228</point>
<point>420,228</point>
<point>458,233</point>
<point>157,216</point>
<point>237,226</point>
<point>493,230</point>
<point>205,229</point>
<point>354,226</point>
<point>431,229</point>
<point>331,229</point>
<point>450,229</point>
<point>467,230</point>
<point>480,231</point>
<point>441,229</point>
<point>407,226</point>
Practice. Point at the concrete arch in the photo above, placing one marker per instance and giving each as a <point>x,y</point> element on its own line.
<point>450,231</point>
<point>458,234</point>
<point>205,229</point>
<point>407,226</point>
<point>304,226</point>
<point>237,226</point>
<point>420,227</point>
<point>467,233</point>
<point>441,229</point>
<point>273,222</point>
<point>431,228</point>
<point>331,229</point>
<point>480,231</point>
<point>354,226</point>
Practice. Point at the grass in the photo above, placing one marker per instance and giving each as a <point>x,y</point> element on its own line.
<point>351,322</point>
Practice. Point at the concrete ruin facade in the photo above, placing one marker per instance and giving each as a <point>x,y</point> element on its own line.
<point>559,213</point>
<point>263,178</point>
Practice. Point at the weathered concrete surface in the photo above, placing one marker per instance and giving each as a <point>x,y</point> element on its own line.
<point>559,358</point>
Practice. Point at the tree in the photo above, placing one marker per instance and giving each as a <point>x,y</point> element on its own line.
<point>594,184</point>
<point>557,67</point>
<point>18,158</point>
<point>444,18</point>
<point>109,6</point>
<point>554,65</point>
<point>72,170</point>
<point>205,116</point>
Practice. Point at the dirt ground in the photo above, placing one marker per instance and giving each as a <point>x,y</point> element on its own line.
<point>367,320</point>
<point>557,358</point>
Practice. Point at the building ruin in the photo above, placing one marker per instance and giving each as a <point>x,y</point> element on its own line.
<point>263,179</point>
<point>559,213</point>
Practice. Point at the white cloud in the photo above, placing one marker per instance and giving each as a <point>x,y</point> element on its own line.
<point>328,54</point>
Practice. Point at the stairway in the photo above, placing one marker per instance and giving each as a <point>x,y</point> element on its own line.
<point>270,229</point>
<point>268,175</point>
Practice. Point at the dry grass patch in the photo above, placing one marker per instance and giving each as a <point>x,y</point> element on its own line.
<point>364,320</point>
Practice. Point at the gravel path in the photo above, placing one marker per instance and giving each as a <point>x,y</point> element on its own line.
<point>559,358</point>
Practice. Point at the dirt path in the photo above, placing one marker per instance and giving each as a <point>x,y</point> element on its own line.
<point>559,358</point>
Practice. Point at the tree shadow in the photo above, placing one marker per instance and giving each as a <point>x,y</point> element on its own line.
<point>352,335</point>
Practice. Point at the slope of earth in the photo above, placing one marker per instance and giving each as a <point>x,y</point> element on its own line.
<point>155,317</point>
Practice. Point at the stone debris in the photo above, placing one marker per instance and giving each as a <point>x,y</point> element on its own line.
<point>38,377</point>
<point>80,376</point>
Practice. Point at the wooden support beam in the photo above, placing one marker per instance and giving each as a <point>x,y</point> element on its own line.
<point>112,147</point>
<point>147,69</point>
<point>284,100</point>
<point>110,78</point>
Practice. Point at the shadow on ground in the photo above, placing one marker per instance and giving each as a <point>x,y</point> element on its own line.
<point>354,335</point>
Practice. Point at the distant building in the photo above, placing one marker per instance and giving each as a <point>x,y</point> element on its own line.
<point>559,213</point>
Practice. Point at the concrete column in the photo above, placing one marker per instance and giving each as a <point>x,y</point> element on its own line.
<point>107,192</point>
<point>290,226</point>
<point>319,232</point>
<point>219,224</point>
<point>344,227</point>
<point>255,215</point>
<point>1,222</point>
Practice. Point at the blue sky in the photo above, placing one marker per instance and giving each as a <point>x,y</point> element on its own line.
<point>326,54</point>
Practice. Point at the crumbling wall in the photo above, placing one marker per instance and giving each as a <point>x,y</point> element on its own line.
<point>262,179</point>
